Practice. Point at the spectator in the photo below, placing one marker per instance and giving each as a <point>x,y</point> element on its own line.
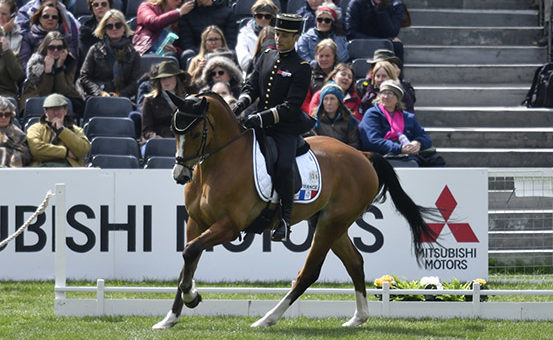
<point>343,76</point>
<point>10,68</point>
<point>328,26</point>
<point>52,69</point>
<point>265,40</point>
<point>379,55</point>
<point>145,86</point>
<point>112,66</point>
<point>221,69</point>
<point>12,31</point>
<point>212,39</point>
<point>381,72</point>
<point>370,19</point>
<point>334,119</point>
<point>206,13</point>
<point>155,20</point>
<point>98,8</point>
<point>308,13</point>
<point>326,57</point>
<point>384,124</point>
<point>157,110</point>
<point>47,18</point>
<point>56,141</point>
<point>221,88</point>
<point>14,150</point>
<point>264,13</point>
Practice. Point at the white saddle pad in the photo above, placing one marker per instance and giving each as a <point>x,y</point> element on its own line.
<point>309,172</point>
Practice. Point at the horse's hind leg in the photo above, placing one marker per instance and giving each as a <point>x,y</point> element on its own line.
<point>353,261</point>
<point>322,241</point>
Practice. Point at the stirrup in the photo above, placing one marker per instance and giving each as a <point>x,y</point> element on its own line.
<point>282,233</point>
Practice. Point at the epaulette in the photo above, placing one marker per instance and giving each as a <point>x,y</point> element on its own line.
<point>304,62</point>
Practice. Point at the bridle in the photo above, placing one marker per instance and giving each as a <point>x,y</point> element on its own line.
<point>200,154</point>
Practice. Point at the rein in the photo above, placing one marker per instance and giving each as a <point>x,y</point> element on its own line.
<point>201,155</point>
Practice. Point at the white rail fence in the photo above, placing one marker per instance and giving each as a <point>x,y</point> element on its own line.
<point>102,306</point>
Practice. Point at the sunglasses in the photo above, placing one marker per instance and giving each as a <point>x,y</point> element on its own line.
<point>212,40</point>
<point>48,16</point>
<point>325,20</point>
<point>5,114</point>
<point>99,4</point>
<point>217,73</point>
<point>53,48</point>
<point>116,26</point>
<point>266,16</point>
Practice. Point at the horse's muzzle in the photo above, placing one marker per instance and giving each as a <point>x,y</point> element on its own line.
<point>181,174</point>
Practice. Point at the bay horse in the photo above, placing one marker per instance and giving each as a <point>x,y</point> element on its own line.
<point>214,160</point>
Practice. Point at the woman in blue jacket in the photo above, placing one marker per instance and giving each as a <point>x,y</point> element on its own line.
<point>328,25</point>
<point>388,129</point>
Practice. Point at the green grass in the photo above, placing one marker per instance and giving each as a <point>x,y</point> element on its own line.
<point>26,312</point>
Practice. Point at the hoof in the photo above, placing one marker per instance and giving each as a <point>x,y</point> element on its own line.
<point>262,323</point>
<point>355,321</point>
<point>195,302</point>
<point>169,321</point>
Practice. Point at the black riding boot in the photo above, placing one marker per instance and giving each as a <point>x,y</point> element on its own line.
<point>286,195</point>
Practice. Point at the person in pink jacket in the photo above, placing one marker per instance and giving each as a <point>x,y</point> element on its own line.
<point>155,20</point>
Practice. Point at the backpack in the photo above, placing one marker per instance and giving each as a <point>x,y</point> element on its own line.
<point>541,91</point>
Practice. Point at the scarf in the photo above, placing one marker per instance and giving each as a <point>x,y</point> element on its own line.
<point>118,54</point>
<point>397,123</point>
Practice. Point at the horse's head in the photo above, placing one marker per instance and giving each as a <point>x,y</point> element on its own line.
<point>189,125</point>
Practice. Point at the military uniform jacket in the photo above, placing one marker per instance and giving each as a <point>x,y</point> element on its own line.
<point>281,81</point>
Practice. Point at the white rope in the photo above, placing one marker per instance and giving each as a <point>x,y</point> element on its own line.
<point>39,211</point>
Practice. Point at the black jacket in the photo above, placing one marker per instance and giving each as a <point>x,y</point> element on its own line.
<point>281,81</point>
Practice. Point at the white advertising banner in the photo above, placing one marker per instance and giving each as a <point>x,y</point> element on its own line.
<point>130,225</point>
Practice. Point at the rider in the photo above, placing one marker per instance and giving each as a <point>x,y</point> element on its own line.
<point>280,80</point>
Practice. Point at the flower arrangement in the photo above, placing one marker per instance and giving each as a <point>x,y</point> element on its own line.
<point>429,282</point>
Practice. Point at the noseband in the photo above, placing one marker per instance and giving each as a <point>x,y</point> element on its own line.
<point>200,154</point>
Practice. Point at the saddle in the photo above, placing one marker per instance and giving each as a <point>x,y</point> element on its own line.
<point>269,149</point>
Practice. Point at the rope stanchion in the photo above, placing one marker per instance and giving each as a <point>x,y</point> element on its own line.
<point>39,211</point>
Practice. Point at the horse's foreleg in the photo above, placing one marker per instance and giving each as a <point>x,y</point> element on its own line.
<point>307,276</point>
<point>353,261</point>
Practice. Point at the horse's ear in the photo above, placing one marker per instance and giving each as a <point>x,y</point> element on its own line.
<point>176,100</point>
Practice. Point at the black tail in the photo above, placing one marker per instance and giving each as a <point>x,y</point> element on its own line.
<point>413,213</point>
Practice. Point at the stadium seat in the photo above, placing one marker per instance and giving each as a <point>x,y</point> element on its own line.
<point>106,107</point>
<point>30,122</point>
<point>33,108</point>
<point>149,59</point>
<point>109,127</point>
<point>114,162</point>
<point>165,147</point>
<point>160,162</point>
<point>132,8</point>
<point>360,67</point>
<point>113,146</point>
<point>364,48</point>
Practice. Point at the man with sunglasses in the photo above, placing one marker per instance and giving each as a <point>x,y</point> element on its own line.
<point>280,80</point>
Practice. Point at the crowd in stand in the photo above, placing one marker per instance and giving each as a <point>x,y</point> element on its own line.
<point>45,50</point>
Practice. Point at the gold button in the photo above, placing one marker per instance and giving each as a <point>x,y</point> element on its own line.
<point>270,78</point>
<point>268,90</point>
<point>278,61</point>
<point>266,108</point>
<point>269,84</point>
<point>275,66</point>
<point>266,102</point>
<point>267,95</point>
<point>273,72</point>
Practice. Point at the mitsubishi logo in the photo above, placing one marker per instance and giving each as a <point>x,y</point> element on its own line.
<point>461,231</point>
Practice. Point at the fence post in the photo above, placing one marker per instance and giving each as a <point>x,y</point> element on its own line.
<point>476,300</point>
<point>59,256</point>
<point>386,298</point>
<point>100,294</point>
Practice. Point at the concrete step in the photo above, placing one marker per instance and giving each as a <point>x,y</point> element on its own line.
<point>501,116</point>
<point>474,54</point>
<point>507,200</point>
<point>449,35</point>
<point>468,4</point>
<point>500,158</point>
<point>535,138</point>
<point>518,220</point>
<point>534,240</point>
<point>473,17</point>
<point>476,95</point>
<point>476,74</point>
